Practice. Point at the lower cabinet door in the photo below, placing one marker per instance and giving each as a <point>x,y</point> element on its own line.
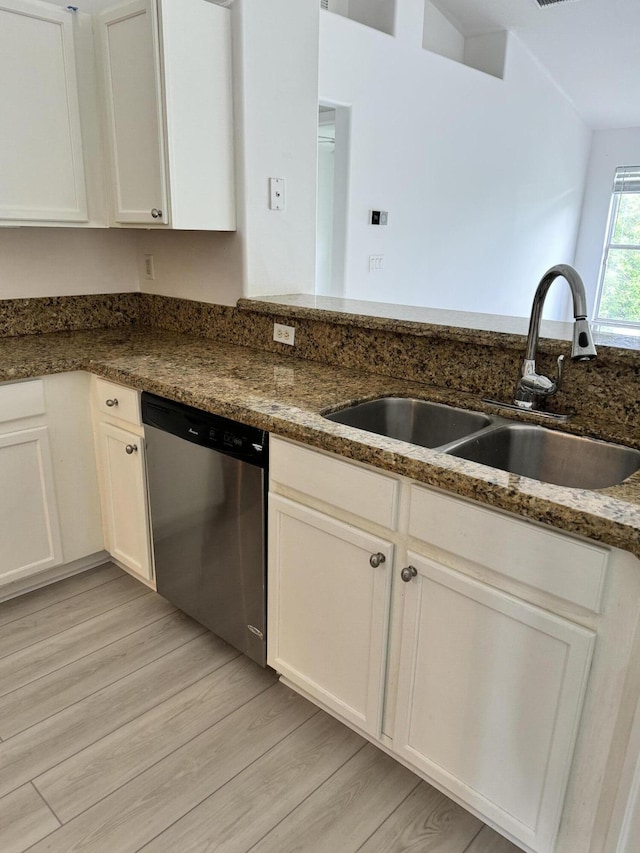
<point>490,695</point>
<point>29,528</point>
<point>329,590</point>
<point>125,499</point>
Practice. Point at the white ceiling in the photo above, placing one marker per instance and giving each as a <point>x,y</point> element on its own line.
<point>591,48</point>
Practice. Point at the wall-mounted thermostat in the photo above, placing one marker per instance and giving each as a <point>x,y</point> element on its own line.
<point>378,217</point>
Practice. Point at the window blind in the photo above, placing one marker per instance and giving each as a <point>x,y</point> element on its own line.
<point>627,179</point>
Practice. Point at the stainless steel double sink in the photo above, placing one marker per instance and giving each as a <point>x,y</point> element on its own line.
<point>524,449</point>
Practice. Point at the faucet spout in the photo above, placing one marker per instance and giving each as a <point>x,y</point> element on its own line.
<point>532,388</point>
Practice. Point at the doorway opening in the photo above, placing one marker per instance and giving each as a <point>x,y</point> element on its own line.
<point>332,198</point>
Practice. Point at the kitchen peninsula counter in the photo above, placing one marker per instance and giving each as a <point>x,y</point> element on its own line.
<point>286,395</point>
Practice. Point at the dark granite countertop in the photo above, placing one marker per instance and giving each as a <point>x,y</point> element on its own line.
<point>286,395</point>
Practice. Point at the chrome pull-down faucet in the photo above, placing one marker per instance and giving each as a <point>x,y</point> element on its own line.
<point>532,388</point>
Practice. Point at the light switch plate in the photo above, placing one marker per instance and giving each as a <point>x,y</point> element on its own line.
<point>276,193</point>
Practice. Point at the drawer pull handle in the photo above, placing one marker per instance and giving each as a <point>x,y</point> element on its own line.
<point>376,560</point>
<point>156,212</point>
<point>131,448</point>
<point>111,403</point>
<point>408,574</point>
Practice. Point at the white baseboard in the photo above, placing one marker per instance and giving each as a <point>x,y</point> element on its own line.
<point>49,576</point>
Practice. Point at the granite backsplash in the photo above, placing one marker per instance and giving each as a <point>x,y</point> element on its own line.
<point>605,390</point>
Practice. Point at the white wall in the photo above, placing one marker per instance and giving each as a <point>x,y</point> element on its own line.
<point>440,35</point>
<point>277,91</point>
<point>483,178</point>
<point>193,265</point>
<point>66,261</point>
<point>610,148</point>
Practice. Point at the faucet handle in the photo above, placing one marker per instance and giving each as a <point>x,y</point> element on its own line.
<point>533,387</point>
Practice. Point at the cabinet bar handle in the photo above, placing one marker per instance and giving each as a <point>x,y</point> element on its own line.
<point>408,574</point>
<point>131,448</point>
<point>376,560</point>
<point>112,403</point>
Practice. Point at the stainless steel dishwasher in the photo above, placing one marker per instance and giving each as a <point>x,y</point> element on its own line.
<point>207,490</point>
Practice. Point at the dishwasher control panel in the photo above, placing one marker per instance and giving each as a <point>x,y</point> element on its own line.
<point>206,429</point>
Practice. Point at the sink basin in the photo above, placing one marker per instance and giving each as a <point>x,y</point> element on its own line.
<point>416,421</point>
<point>553,457</point>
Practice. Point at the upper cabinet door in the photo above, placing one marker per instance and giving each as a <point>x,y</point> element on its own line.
<point>132,89</point>
<point>42,173</point>
<point>167,103</point>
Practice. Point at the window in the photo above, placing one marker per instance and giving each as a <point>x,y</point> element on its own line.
<point>618,297</point>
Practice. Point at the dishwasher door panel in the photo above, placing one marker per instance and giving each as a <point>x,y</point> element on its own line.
<point>208,522</point>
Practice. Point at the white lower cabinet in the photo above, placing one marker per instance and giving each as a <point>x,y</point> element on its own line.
<point>489,698</point>
<point>329,610</point>
<point>49,505</point>
<point>124,499</point>
<point>30,538</point>
<point>479,659</point>
<point>59,467</point>
<point>123,482</point>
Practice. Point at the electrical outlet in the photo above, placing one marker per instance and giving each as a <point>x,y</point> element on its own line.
<point>149,272</point>
<point>376,263</point>
<point>284,334</point>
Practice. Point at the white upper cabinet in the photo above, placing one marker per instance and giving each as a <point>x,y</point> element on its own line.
<point>121,117</point>
<point>132,101</point>
<point>42,176</point>
<point>165,69</point>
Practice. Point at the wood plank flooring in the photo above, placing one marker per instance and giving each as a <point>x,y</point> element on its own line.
<point>125,726</point>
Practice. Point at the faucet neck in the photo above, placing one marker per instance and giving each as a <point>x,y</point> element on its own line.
<point>578,296</point>
<point>532,388</point>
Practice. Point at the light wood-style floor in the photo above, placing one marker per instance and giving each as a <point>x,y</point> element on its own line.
<point>125,726</point>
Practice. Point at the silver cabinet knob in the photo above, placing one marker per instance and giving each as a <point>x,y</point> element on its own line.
<point>131,448</point>
<point>156,212</point>
<point>408,574</point>
<point>376,560</point>
<point>111,403</point>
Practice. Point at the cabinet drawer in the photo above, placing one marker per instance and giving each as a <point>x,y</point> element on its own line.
<point>332,480</point>
<point>21,400</point>
<point>116,401</point>
<point>549,561</point>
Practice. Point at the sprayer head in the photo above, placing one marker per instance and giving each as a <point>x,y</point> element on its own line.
<point>583,348</point>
